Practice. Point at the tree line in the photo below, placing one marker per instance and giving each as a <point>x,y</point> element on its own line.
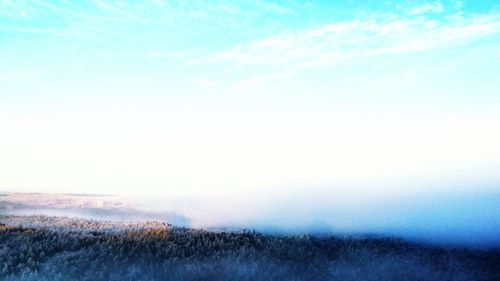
<point>168,253</point>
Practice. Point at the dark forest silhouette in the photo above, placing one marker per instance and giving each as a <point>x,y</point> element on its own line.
<point>79,250</point>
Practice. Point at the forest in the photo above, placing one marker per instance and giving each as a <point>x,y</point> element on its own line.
<point>80,249</point>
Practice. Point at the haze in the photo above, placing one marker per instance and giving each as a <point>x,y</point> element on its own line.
<point>280,115</point>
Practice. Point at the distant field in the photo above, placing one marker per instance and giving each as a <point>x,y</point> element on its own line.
<point>87,206</point>
<point>55,248</point>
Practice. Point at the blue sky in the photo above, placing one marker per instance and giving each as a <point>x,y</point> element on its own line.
<point>177,48</point>
<point>174,97</point>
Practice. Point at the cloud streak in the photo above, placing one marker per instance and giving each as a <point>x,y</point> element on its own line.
<point>331,43</point>
<point>436,7</point>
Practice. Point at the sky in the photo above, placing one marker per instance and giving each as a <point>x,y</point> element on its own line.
<point>361,101</point>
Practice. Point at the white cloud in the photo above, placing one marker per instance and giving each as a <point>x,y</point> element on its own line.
<point>275,8</point>
<point>34,30</point>
<point>330,43</point>
<point>170,55</point>
<point>458,4</point>
<point>436,8</point>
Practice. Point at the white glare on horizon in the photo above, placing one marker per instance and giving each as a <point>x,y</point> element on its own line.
<point>195,151</point>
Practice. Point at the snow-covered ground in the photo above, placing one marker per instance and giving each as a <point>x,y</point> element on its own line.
<point>79,225</point>
<point>91,207</point>
<point>65,201</point>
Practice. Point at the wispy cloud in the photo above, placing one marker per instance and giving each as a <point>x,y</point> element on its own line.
<point>33,30</point>
<point>330,43</point>
<point>275,8</point>
<point>435,7</point>
<point>253,43</point>
<point>170,55</point>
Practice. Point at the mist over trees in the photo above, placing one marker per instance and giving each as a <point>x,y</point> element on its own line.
<point>79,249</point>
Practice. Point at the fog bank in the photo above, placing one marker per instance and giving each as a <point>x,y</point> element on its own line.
<point>444,217</point>
<point>450,218</point>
